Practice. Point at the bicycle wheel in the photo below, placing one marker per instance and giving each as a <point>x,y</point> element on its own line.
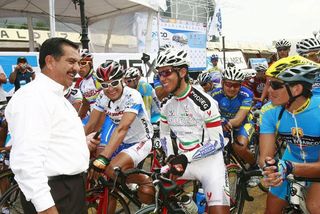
<point>10,200</point>
<point>236,196</point>
<point>94,200</point>
<point>6,180</point>
<point>147,209</point>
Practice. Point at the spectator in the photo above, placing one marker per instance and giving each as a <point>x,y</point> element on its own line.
<point>22,73</point>
<point>45,131</point>
<point>3,79</point>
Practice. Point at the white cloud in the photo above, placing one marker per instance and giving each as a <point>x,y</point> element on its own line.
<point>269,20</point>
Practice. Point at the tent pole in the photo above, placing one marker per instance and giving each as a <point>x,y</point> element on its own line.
<point>84,25</point>
<point>30,32</point>
<point>52,19</point>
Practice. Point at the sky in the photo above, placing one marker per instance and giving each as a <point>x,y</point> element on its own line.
<point>269,20</point>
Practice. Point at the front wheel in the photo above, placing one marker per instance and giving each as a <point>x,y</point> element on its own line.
<point>236,195</point>
<point>147,209</point>
<point>10,201</point>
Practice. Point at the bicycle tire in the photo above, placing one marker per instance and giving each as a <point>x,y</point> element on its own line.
<point>11,200</point>
<point>93,197</point>
<point>6,180</point>
<point>147,209</point>
<point>236,196</point>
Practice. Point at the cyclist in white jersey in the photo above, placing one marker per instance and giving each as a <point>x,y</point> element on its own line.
<point>89,86</point>
<point>193,116</point>
<point>74,96</point>
<point>130,141</point>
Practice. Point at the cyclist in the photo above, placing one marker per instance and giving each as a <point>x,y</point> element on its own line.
<point>310,49</point>
<point>74,96</point>
<point>235,102</point>
<point>130,141</point>
<point>292,116</point>
<point>283,48</point>
<point>209,81</point>
<point>194,118</point>
<point>256,84</point>
<point>214,61</point>
<point>89,86</point>
<point>132,78</point>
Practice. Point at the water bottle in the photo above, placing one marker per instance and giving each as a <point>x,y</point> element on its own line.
<point>188,205</point>
<point>201,201</point>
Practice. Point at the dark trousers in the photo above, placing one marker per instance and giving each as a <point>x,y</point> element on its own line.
<point>68,193</point>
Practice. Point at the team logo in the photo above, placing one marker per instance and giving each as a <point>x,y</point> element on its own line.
<point>294,132</point>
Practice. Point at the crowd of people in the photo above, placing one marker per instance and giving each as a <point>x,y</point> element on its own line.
<point>52,123</point>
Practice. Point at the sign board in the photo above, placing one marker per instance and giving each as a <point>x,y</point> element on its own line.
<point>187,35</point>
<point>254,62</point>
<point>235,57</point>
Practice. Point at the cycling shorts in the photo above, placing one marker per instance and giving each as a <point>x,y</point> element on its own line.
<point>246,130</point>
<point>214,182</point>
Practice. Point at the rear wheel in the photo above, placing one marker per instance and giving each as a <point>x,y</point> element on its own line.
<point>236,195</point>
<point>10,201</point>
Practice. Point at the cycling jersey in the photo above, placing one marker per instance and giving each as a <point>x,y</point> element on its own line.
<point>195,120</point>
<point>307,148</point>
<point>90,88</point>
<point>255,85</point>
<point>230,106</point>
<point>149,97</point>
<point>316,86</point>
<point>215,69</point>
<point>74,95</point>
<point>130,101</point>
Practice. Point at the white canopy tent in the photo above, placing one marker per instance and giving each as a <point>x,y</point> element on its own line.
<point>68,11</point>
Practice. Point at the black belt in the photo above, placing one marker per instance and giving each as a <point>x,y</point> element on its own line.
<point>64,177</point>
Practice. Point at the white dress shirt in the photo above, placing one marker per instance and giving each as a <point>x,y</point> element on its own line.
<point>48,138</point>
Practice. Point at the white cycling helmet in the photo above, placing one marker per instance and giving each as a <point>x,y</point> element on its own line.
<point>307,45</point>
<point>85,54</point>
<point>132,72</point>
<point>261,68</point>
<point>249,73</point>
<point>170,56</point>
<point>283,43</point>
<point>233,73</point>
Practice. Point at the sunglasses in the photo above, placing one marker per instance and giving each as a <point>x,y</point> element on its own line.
<point>113,84</point>
<point>276,85</point>
<point>231,84</point>
<point>165,73</point>
<point>84,63</point>
<point>282,49</point>
<point>312,54</point>
<point>130,80</point>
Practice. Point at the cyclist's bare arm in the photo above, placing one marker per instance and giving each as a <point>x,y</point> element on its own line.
<point>84,108</point>
<point>308,170</point>
<point>94,123</point>
<point>267,147</point>
<point>119,134</point>
<point>239,118</point>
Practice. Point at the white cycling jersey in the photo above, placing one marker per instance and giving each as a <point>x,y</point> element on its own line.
<point>195,120</point>
<point>90,88</point>
<point>130,101</point>
<point>74,95</point>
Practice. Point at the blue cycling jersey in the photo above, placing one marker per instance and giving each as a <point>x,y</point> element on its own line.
<point>230,106</point>
<point>305,123</point>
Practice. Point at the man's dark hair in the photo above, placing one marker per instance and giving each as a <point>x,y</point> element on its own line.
<point>53,47</point>
<point>21,59</point>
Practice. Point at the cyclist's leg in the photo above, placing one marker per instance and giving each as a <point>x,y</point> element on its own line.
<point>276,199</point>
<point>241,148</point>
<point>130,158</point>
<point>312,199</point>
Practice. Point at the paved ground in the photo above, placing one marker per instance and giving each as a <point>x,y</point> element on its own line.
<point>257,206</point>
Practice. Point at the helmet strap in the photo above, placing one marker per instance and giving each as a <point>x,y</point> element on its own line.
<point>291,97</point>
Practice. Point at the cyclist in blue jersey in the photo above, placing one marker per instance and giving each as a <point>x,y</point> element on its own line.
<point>208,81</point>
<point>310,49</point>
<point>234,103</point>
<point>132,78</point>
<point>291,117</point>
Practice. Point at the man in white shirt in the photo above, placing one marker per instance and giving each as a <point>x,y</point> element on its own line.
<point>49,149</point>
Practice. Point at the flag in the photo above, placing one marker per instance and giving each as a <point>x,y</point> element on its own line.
<point>215,27</point>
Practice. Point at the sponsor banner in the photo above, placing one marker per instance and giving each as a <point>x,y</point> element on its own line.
<point>235,57</point>
<point>188,35</point>
<point>254,62</point>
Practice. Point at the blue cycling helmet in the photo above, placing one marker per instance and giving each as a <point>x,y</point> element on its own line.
<point>214,57</point>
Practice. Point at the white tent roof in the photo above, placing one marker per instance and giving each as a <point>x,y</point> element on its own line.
<point>65,9</point>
